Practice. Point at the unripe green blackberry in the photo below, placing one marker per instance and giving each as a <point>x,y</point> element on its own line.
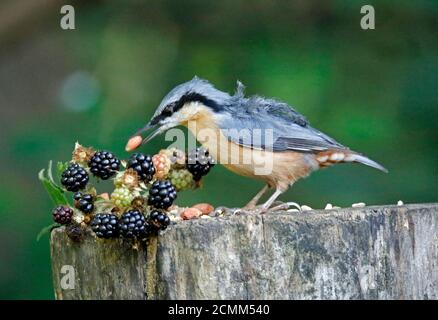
<point>182,179</point>
<point>74,178</point>
<point>62,214</point>
<point>122,197</point>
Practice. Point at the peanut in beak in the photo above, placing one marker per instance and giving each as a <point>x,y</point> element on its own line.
<point>133,143</point>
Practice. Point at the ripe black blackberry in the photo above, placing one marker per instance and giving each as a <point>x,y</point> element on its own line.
<point>75,232</point>
<point>105,225</point>
<point>84,202</point>
<point>143,165</point>
<point>162,194</point>
<point>62,214</point>
<point>104,165</point>
<point>74,178</point>
<point>159,220</point>
<point>133,224</point>
<point>199,162</point>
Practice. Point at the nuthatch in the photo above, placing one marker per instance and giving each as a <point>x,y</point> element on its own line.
<point>250,130</point>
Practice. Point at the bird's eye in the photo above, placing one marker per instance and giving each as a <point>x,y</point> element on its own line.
<point>167,112</point>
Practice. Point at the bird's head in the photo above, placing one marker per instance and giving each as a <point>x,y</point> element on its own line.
<point>185,103</point>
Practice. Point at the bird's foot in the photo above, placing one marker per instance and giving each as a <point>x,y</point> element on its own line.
<point>287,206</point>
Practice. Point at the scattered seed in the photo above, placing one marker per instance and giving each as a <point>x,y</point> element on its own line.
<point>358,205</point>
<point>205,208</point>
<point>191,213</point>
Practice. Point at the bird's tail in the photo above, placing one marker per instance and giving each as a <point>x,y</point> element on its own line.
<point>327,158</point>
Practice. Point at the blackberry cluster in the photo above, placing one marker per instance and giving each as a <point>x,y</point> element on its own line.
<point>62,214</point>
<point>104,165</point>
<point>162,194</point>
<point>74,178</point>
<point>159,220</point>
<point>105,225</point>
<point>133,224</point>
<point>199,162</point>
<point>143,165</point>
<point>84,202</point>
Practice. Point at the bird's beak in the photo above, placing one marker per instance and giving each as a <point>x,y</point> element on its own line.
<point>156,130</point>
<point>136,140</point>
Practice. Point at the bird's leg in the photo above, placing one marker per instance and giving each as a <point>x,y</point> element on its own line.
<point>252,204</point>
<point>268,203</point>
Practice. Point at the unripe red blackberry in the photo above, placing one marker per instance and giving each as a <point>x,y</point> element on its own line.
<point>161,194</point>
<point>62,214</point>
<point>143,165</point>
<point>199,162</point>
<point>104,165</point>
<point>74,178</point>
<point>162,165</point>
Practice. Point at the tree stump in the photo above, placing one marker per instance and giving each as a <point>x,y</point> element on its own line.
<point>384,252</point>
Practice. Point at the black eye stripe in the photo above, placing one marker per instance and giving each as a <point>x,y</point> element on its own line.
<point>168,111</point>
<point>171,108</point>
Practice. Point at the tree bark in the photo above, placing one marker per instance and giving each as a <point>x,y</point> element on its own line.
<point>385,252</point>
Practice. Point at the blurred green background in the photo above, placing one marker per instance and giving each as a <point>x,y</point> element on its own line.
<point>375,91</point>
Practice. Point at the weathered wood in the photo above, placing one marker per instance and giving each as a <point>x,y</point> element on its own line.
<point>386,252</point>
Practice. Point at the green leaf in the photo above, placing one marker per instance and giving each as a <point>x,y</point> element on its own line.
<point>49,172</point>
<point>61,166</point>
<point>55,192</point>
<point>47,230</point>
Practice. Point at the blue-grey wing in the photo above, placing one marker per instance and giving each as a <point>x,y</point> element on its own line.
<point>268,124</point>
